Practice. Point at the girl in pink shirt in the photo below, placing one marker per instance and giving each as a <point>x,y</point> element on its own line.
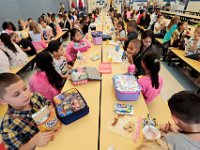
<point>77,44</point>
<point>46,81</point>
<point>151,82</point>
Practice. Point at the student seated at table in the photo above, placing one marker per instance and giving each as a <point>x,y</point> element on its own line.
<point>132,50</point>
<point>16,56</point>
<point>143,19</point>
<point>47,81</point>
<point>159,27</point>
<point>7,28</point>
<point>77,43</point>
<point>25,44</point>
<point>147,39</point>
<point>132,34</point>
<point>115,22</point>
<point>78,26</point>
<point>4,62</point>
<point>185,134</point>
<point>154,17</point>
<point>151,82</point>
<point>85,24</point>
<point>178,36</point>
<point>193,44</point>
<point>18,129</point>
<point>170,29</point>
<point>55,25</point>
<point>47,30</point>
<point>22,25</point>
<point>59,62</point>
<point>36,36</point>
<point>121,32</point>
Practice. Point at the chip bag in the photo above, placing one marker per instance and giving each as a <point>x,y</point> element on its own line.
<point>47,120</point>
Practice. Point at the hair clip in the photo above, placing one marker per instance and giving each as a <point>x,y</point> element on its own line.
<point>156,61</point>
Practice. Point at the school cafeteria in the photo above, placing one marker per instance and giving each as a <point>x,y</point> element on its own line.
<point>100,75</point>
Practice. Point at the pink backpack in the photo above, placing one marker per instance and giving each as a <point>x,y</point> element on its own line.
<point>81,46</point>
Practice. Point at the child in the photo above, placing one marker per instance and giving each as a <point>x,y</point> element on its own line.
<point>121,30</point>
<point>144,20</point>
<point>47,81</point>
<point>7,28</point>
<point>18,129</point>
<point>56,25</point>
<point>151,82</point>
<point>36,36</point>
<point>132,34</point>
<point>25,44</point>
<point>115,22</point>
<point>133,49</point>
<point>193,44</point>
<point>147,45</point>
<point>159,24</point>
<point>77,43</point>
<point>185,134</point>
<point>59,62</point>
<point>178,36</point>
<point>47,30</point>
<point>170,29</point>
<point>85,24</point>
<point>16,56</point>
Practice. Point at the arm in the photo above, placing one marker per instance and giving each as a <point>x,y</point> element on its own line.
<point>121,38</point>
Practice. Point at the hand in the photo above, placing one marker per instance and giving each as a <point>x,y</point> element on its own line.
<point>43,138</point>
<point>29,48</point>
<point>168,127</point>
<point>130,59</point>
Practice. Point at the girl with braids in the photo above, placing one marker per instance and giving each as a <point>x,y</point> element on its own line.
<point>151,82</point>
<point>47,81</point>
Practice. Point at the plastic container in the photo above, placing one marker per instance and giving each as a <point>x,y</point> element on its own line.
<point>126,87</point>
<point>97,37</point>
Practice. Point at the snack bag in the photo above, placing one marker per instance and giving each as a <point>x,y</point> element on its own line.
<point>46,119</point>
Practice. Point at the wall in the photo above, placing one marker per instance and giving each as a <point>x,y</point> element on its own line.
<point>194,6</point>
<point>12,10</point>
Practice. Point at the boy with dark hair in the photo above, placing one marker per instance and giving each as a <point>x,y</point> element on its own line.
<point>185,134</point>
<point>18,129</point>
<point>132,33</point>
<point>59,62</point>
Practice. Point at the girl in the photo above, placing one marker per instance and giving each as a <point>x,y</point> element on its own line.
<point>147,45</point>
<point>158,26</point>
<point>151,82</point>
<point>77,43</point>
<point>16,56</point>
<point>7,28</point>
<point>36,36</point>
<point>121,30</point>
<point>170,29</point>
<point>47,81</point>
<point>115,22</point>
<point>178,35</point>
<point>193,44</point>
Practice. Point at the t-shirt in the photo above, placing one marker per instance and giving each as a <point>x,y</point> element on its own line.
<point>189,44</point>
<point>35,37</point>
<point>60,65</point>
<point>25,43</point>
<point>180,141</point>
<point>122,34</point>
<point>148,91</point>
<point>168,35</point>
<point>130,36</point>
<point>47,32</point>
<point>4,62</point>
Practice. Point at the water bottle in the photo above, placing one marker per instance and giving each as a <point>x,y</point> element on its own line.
<point>79,56</point>
<point>131,69</point>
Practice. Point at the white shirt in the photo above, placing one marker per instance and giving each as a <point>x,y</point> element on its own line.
<point>157,25</point>
<point>4,62</point>
<point>60,65</point>
<point>35,37</point>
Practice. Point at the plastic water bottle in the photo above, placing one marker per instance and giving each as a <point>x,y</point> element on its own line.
<point>79,56</point>
<point>131,69</point>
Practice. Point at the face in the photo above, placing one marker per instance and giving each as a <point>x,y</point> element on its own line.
<point>43,24</point>
<point>130,29</point>
<point>17,39</point>
<point>197,34</point>
<point>119,27</point>
<point>17,95</point>
<point>147,42</point>
<point>161,18</point>
<point>115,20</point>
<point>184,26</point>
<point>61,51</point>
<point>78,36</point>
<point>132,49</point>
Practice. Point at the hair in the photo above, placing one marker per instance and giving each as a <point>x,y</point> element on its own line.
<point>174,21</point>
<point>148,33</point>
<point>152,63</point>
<point>33,27</point>
<point>13,36</point>
<point>73,33</point>
<point>185,105</point>
<point>54,46</point>
<point>132,24</point>
<point>197,28</point>
<point>5,25</point>
<point>136,42</point>
<point>44,62</point>
<point>7,79</point>
<point>160,15</point>
<point>29,19</point>
<point>121,23</point>
<point>180,24</point>
<point>5,38</point>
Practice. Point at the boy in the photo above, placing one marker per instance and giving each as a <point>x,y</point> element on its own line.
<point>132,33</point>
<point>25,44</point>
<point>60,63</point>
<point>47,30</point>
<point>18,129</point>
<point>185,135</point>
<point>133,49</point>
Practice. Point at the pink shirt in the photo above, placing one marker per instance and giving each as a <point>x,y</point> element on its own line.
<point>148,91</point>
<point>72,52</point>
<point>39,84</point>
